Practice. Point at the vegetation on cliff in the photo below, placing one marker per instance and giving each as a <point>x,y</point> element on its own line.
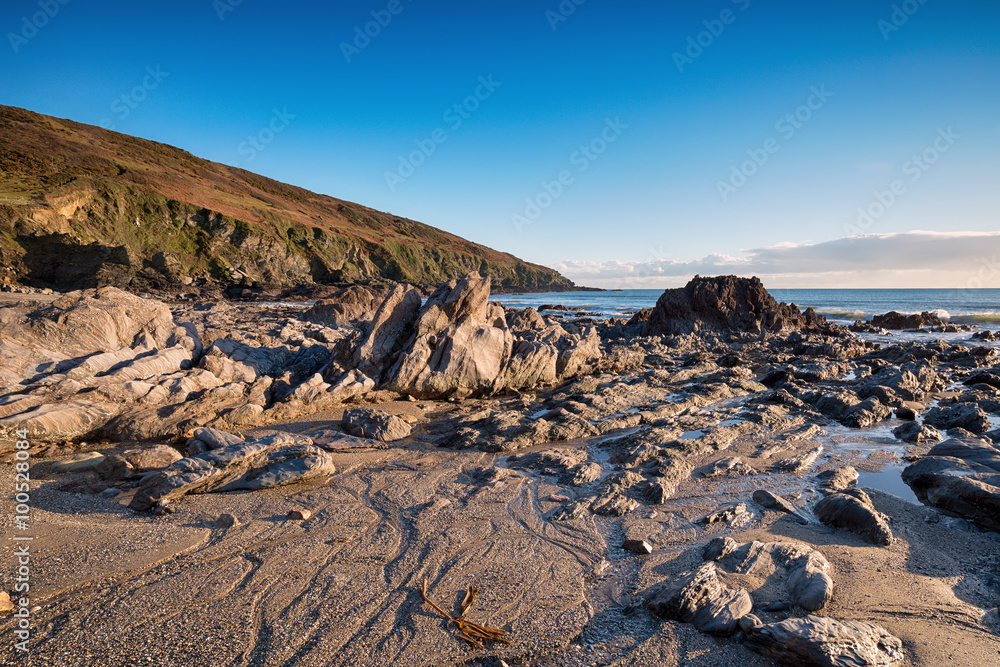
<point>81,206</point>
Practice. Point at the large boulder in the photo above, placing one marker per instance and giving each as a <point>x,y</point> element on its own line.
<point>459,344</point>
<point>725,303</point>
<point>387,330</point>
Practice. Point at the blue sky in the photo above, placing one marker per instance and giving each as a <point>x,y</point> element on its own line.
<point>674,155</point>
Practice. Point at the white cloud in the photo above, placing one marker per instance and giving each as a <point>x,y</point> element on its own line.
<point>910,259</point>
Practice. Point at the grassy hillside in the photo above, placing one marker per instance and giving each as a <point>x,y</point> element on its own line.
<point>83,206</point>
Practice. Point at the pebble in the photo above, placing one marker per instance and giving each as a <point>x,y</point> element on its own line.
<point>300,515</point>
<point>226,521</point>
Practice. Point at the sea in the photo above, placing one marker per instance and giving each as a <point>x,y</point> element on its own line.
<point>844,306</point>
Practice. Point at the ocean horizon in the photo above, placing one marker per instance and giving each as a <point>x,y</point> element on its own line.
<point>955,305</point>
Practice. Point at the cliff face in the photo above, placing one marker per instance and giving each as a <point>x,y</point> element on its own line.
<point>81,206</point>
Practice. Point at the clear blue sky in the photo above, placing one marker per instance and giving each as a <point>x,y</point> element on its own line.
<point>643,212</point>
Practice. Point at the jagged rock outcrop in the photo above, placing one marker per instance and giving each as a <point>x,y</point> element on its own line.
<point>725,303</point>
<point>703,600</point>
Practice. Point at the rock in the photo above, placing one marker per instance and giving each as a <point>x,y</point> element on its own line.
<point>960,477</point>
<point>916,432</point>
<point>638,546</point>
<point>271,461</point>
<point>206,439</point>
<point>132,462</point>
<point>824,642</point>
<point>732,466</point>
<point>725,303</point>
<point>459,344</point>
<point>299,515</point>
<point>749,623</point>
<point>5,603</point>
<point>807,571</point>
<point>866,413</point>
<point>896,321</point>
<point>837,480</point>
<point>960,415</point>
<point>344,306</point>
<point>557,498</point>
<point>735,514</point>
<point>39,340</point>
<point>394,317</point>
<point>768,500</point>
<point>852,509</point>
<point>226,521</point>
<point>719,547</point>
<point>375,425</point>
<point>702,600</point>
<point>77,462</point>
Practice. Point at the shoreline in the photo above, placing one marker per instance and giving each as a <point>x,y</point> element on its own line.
<point>530,494</point>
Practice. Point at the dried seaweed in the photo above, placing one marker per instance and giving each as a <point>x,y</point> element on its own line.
<point>468,631</point>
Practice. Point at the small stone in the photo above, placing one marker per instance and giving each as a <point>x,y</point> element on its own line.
<point>300,515</point>
<point>558,498</point>
<point>226,521</point>
<point>78,462</point>
<point>110,492</point>
<point>749,623</point>
<point>5,603</point>
<point>638,546</point>
<point>163,509</point>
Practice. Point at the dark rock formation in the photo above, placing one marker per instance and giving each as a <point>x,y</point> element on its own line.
<point>816,641</point>
<point>960,415</point>
<point>894,320</point>
<point>725,303</point>
<point>702,600</point>
<point>960,477</point>
<point>852,509</point>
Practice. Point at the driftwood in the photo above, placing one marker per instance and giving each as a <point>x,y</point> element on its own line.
<point>469,632</point>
